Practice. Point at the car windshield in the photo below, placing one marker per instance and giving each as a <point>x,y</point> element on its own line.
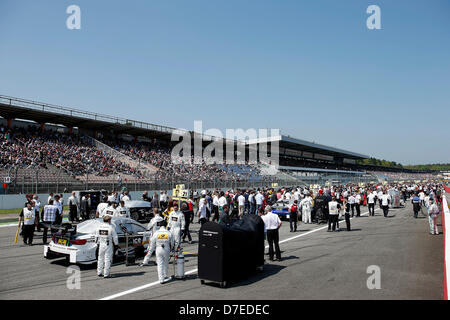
<point>89,226</point>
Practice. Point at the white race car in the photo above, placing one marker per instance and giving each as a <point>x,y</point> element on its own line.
<point>77,243</point>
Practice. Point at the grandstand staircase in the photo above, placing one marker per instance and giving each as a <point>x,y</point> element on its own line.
<point>271,170</point>
<point>61,174</point>
<point>147,169</point>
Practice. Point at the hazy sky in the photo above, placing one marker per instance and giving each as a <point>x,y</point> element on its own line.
<point>309,68</point>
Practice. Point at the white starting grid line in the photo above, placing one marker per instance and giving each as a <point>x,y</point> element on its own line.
<point>15,224</point>
<point>152,284</point>
<point>8,225</point>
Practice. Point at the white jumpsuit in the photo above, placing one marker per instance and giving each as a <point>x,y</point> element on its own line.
<point>306,205</point>
<point>106,238</point>
<point>153,227</point>
<point>108,211</point>
<point>162,242</point>
<point>176,225</point>
<point>122,212</point>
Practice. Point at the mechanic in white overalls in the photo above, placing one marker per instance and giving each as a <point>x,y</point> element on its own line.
<point>152,226</point>
<point>122,211</point>
<point>106,239</point>
<point>306,205</point>
<point>110,210</point>
<point>162,241</point>
<point>176,225</point>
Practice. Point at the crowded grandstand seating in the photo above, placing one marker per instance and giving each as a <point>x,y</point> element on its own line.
<point>160,157</point>
<point>60,156</point>
<point>31,149</point>
<point>385,175</point>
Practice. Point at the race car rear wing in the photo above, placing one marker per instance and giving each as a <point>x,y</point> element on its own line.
<point>64,230</point>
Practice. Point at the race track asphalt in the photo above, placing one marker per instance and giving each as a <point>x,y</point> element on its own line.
<point>316,265</point>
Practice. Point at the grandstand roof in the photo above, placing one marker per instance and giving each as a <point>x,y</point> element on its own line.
<point>17,108</point>
<point>40,112</point>
<point>311,147</point>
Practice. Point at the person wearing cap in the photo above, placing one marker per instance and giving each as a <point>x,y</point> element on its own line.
<point>152,226</point>
<point>106,238</point>
<point>28,216</point>
<point>176,225</point>
<point>162,243</point>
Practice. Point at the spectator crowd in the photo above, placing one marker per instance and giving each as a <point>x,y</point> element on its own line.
<point>33,148</point>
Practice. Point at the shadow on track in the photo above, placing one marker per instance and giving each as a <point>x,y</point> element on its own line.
<point>269,270</point>
<point>128,274</point>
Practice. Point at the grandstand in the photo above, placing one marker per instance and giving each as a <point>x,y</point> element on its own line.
<point>47,148</point>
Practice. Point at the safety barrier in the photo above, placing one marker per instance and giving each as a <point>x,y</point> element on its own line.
<point>445,219</point>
